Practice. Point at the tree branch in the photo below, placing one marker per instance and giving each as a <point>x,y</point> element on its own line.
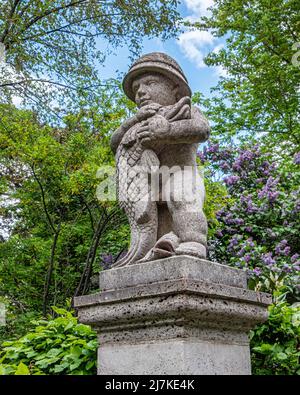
<point>11,14</point>
<point>49,12</point>
<point>72,23</point>
<point>90,213</point>
<point>50,270</point>
<point>43,199</point>
<point>26,81</point>
<point>86,275</point>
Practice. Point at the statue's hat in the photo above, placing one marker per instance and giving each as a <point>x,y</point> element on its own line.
<point>160,63</point>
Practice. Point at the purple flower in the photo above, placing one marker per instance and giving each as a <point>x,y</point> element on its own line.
<point>219,233</point>
<point>250,242</point>
<point>236,166</point>
<point>296,208</point>
<point>233,242</point>
<point>268,259</point>
<point>201,156</point>
<point>294,257</point>
<point>278,249</point>
<point>282,248</point>
<point>224,166</point>
<point>297,158</point>
<point>107,260</point>
<point>213,148</point>
<point>241,252</point>
<point>268,190</point>
<point>251,208</point>
<point>272,196</point>
<point>231,180</point>
<point>247,258</point>
<point>286,268</point>
<point>257,271</point>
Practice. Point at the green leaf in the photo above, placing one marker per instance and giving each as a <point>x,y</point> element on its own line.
<point>2,370</point>
<point>90,365</point>
<point>22,370</point>
<point>281,356</point>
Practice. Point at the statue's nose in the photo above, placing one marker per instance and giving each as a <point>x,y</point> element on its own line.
<point>141,90</point>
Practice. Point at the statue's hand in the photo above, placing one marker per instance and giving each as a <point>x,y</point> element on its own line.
<point>129,139</point>
<point>153,130</point>
<point>147,111</point>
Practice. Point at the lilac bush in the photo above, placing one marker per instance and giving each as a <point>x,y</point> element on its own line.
<point>259,227</point>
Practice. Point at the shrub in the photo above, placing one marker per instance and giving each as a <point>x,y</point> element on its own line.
<point>258,228</point>
<point>60,346</point>
<point>275,345</point>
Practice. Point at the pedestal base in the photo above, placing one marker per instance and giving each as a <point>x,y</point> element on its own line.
<point>179,315</point>
<point>174,357</point>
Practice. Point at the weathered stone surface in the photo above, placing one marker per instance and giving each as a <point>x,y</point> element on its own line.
<point>175,357</point>
<point>158,182</point>
<point>168,269</point>
<point>185,306</point>
<point>163,308</point>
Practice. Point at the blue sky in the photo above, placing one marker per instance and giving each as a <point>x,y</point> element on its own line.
<point>188,49</point>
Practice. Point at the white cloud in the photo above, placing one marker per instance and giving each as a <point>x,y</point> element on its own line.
<point>218,48</point>
<point>198,7</point>
<point>17,101</point>
<point>220,71</point>
<point>195,44</point>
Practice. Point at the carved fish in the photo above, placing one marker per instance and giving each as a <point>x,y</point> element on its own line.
<point>134,163</point>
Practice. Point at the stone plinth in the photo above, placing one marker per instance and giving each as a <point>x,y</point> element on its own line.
<point>179,315</point>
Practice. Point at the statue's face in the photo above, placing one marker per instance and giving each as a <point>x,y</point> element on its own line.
<point>154,88</point>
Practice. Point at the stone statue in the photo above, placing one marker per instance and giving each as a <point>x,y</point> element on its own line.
<point>166,217</point>
<point>181,314</point>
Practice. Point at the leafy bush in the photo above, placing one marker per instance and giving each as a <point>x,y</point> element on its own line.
<point>258,228</point>
<point>58,346</point>
<point>275,345</point>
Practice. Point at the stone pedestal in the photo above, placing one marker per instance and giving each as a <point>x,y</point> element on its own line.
<point>179,315</point>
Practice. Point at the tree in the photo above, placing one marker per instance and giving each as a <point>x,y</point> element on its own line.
<point>57,236</point>
<point>259,96</point>
<point>51,47</point>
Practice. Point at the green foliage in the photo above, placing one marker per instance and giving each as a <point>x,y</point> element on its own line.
<point>259,96</point>
<point>60,234</point>
<point>257,230</point>
<point>17,319</point>
<point>215,199</point>
<point>55,222</point>
<point>275,345</point>
<point>59,346</point>
<point>116,240</point>
<point>54,48</point>
<point>258,227</point>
